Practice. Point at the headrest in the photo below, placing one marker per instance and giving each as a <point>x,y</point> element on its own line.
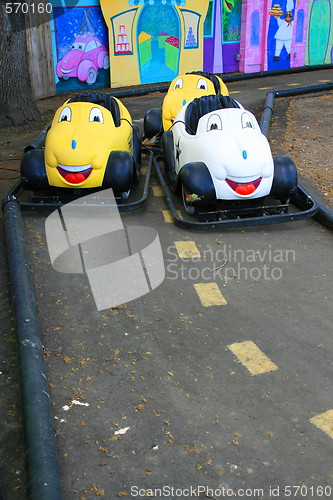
<point>105,100</point>
<point>203,105</point>
<point>210,76</point>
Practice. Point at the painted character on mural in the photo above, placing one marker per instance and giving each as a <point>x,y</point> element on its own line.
<point>86,57</point>
<point>284,30</point>
<point>82,50</point>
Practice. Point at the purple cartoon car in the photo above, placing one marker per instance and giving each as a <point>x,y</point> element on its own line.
<point>83,61</point>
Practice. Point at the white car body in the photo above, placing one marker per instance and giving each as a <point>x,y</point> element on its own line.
<point>230,143</point>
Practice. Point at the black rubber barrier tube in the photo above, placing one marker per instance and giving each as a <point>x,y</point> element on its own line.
<point>43,477</point>
<point>324,213</point>
<point>38,142</point>
<point>144,90</point>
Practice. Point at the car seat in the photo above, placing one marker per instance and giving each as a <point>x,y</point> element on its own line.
<point>203,105</point>
<point>210,76</point>
<point>105,100</point>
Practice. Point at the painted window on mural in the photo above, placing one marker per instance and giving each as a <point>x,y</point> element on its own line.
<point>191,23</point>
<point>231,20</point>
<point>208,24</point>
<point>122,33</point>
<point>299,26</point>
<point>255,29</point>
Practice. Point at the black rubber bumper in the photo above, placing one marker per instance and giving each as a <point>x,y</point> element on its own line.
<point>324,213</point>
<point>43,476</point>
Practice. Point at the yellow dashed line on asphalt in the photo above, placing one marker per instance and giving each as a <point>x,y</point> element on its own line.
<point>234,91</point>
<point>157,191</point>
<point>293,84</point>
<point>324,422</point>
<point>324,81</point>
<point>264,88</point>
<point>167,215</point>
<point>249,354</point>
<point>210,294</point>
<point>187,250</point>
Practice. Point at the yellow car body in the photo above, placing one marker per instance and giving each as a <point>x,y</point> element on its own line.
<point>79,142</point>
<point>185,88</point>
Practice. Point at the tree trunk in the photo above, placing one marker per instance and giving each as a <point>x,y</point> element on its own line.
<point>16,101</point>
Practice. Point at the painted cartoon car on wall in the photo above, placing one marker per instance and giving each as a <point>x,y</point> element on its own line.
<point>91,143</point>
<point>183,89</point>
<point>218,156</point>
<point>83,61</point>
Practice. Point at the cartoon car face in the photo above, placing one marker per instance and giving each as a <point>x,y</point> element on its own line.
<point>83,61</point>
<point>80,140</point>
<point>187,87</point>
<point>229,145</point>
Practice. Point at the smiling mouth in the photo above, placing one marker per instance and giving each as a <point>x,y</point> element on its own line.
<point>244,188</point>
<point>74,175</point>
<point>66,70</point>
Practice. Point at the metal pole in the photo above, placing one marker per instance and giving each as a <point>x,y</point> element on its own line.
<point>324,213</point>
<point>43,477</point>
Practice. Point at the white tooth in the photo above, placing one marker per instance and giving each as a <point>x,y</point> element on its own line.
<point>243,180</point>
<point>79,168</point>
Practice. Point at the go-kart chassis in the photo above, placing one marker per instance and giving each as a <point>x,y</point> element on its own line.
<point>228,218</point>
<point>52,199</point>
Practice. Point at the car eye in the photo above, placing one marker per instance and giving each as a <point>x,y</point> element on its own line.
<point>202,84</point>
<point>96,115</point>
<point>65,115</point>
<point>214,123</point>
<point>247,121</point>
<point>178,83</point>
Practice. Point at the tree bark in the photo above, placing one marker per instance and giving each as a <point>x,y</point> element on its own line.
<point>16,99</point>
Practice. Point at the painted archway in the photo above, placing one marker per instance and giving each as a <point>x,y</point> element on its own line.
<point>158,40</point>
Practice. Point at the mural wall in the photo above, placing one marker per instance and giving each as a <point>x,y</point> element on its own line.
<point>99,43</point>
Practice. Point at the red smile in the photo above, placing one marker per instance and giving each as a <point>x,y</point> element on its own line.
<point>74,177</point>
<point>244,188</point>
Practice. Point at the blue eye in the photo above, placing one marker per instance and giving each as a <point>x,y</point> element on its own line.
<point>202,84</point>
<point>214,123</point>
<point>178,83</point>
<point>247,121</point>
<point>96,115</point>
<point>65,115</point>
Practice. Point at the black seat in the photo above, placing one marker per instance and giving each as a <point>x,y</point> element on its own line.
<point>203,105</point>
<point>105,100</point>
<point>210,76</point>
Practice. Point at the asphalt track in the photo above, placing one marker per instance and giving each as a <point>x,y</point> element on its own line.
<point>217,383</point>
